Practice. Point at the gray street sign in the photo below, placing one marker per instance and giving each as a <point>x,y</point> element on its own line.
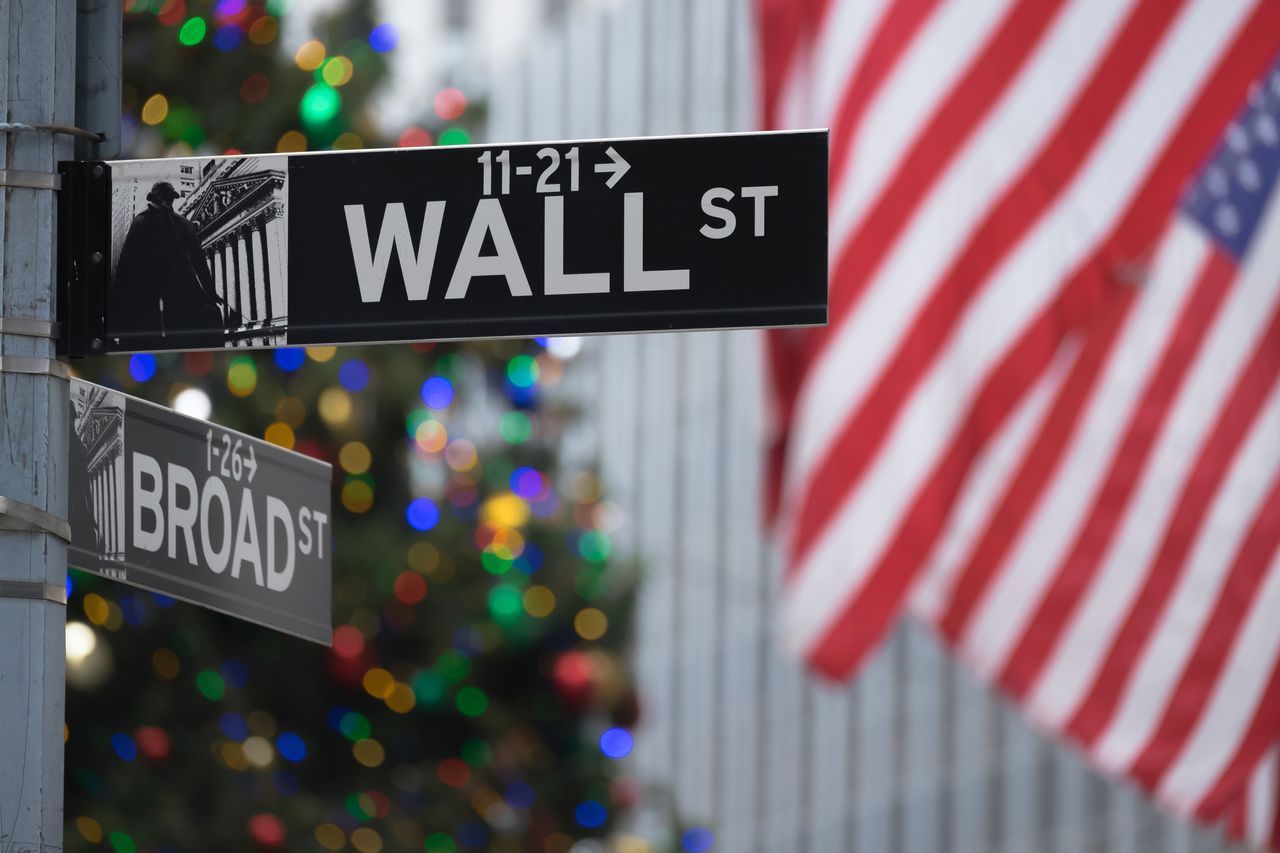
<point>191,510</point>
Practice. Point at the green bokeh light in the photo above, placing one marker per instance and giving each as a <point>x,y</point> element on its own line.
<point>319,104</point>
<point>211,685</point>
<point>193,31</point>
<point>122,843</point>
<point>454,136</point>
<point>515,427</point>
<point>505,603</point>
<point>472,701</point>
<point>453,666</point>
<point>477,752</point>
<point>438,842</point>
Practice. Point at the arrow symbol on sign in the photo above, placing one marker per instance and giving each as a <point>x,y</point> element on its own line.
<point>251,464</point>
<point>618,167</point>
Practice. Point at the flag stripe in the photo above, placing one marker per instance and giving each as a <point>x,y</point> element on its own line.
<point>1211,646</point>
<point>1193,505</point>
<point>1073,574</point>
<point>1245,710</point>
<point>1080,650</point>
<point>1039,185</point>
<point>893,34</point>
<point>1011,136</point>
<point>841,562</point>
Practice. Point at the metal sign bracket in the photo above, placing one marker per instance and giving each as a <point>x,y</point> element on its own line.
<point>84,256</point>
<point>17,515</point>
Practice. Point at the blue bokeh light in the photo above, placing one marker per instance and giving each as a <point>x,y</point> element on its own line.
<point>384,38</point>
<point>142,366</point>
<point>290,359</point>
<point>520,795</point>
<point>590,814</point>
<point>616,743</point>
<point>291,746</point>
<point>697,840</point>
<point>233,726</point>
<point>422,514</point>
<point>124,746</point>
<point>437,392</point>
<point>354,375</point>
<point>228,37</point>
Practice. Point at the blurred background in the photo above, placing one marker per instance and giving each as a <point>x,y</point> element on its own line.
<point>555,606</point>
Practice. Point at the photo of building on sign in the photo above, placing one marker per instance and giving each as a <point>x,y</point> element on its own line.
<point>97,470</point>
<point>199,253</point>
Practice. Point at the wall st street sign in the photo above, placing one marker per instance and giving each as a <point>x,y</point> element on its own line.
<point>179,506</point>
<point>621,235</point>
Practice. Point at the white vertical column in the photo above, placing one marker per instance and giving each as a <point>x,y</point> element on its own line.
<point>276,268</point>
<point>243,282</point>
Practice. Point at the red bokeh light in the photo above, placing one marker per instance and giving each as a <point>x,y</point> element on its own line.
<point>414,137</point>
<point>450,104</point>
<point>266,830</point>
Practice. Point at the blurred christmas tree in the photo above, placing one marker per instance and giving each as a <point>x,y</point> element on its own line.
<point>474,695</point>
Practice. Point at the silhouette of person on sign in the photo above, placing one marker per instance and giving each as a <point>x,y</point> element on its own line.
<point>163,295</point>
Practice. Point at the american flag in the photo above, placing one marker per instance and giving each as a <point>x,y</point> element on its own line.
<point>1046,412</point>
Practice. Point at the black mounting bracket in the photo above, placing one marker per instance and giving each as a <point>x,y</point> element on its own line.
<point>84,256</point>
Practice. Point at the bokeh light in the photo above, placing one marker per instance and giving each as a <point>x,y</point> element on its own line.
<point>309,55</point>
<point>422,514</point>
<point>616,743</point>
<point>437,392</point>
<point>449,104</point>
<point>142,366</point>
<point>384,38</point>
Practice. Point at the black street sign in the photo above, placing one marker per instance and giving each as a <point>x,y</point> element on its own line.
<point>185,508</point>
<point>621,235</point>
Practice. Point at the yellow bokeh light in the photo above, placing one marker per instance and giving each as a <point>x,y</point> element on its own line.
<point>423,557</point>
<point>321,354</point>
<point>505,510</point>
<point>539,601</point>
<point>401,698</point>
<point>262,723</point>
<point>280,435</point>
<point>335,406</point>
<point>264,30</point>
<point>330,836</point>
<point>378,683</point>
<point>292,411</point>
<point>115,617</point>
<point>432,436</point>
<point>258,751</point>
<point>96,608</point>
<point>348,142</point>
<point>590,623</point>
<point>166,664</point>
<point>291,141</point>
<point>510,541</point>
<point>310,55</point>
<point>155,110</point>
<point>354,457</point>
<point>233,756</point>
<point>337,71</point>
<point>357,496</point>
<point>369,752</point>
<point>242,378</point>
<point>366,840</point>
<point>90,829</point>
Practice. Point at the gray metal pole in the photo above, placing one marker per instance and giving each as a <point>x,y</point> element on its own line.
<point>37,87</point>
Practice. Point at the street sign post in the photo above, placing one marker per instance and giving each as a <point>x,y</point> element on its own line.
<point>621,235</point>
<point>185,508</point>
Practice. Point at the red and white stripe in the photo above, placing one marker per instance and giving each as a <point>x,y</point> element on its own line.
<point>1067,469</point>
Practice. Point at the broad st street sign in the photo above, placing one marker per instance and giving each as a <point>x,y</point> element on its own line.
<point>621,235</point>
<point>185,508</point>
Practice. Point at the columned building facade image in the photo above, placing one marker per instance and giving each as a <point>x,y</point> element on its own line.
<point>99,429</point>
<point>237,207</point>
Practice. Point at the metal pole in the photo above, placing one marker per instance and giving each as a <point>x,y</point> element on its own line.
<point>37,87</point>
